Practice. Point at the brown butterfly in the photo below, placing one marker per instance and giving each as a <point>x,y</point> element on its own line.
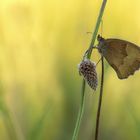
<point>123,56</point>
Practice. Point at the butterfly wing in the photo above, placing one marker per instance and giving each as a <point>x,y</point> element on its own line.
<point>123,56</point>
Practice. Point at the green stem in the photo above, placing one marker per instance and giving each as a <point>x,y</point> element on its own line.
<point>11,124</point>
<point>8,122</point>
<point>81,109</point>
<point>80,114</point>
<point>96,28</point>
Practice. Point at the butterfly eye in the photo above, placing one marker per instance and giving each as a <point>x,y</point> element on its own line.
<point>99,38</point>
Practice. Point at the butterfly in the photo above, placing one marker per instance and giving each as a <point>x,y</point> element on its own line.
<point>123,56</point>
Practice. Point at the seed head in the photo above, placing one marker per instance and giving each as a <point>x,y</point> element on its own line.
<point>88,70</point>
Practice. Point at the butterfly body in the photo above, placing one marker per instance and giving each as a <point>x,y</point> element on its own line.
<point>123,56</point>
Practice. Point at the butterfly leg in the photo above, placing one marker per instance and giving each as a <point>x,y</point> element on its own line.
<point>87,51</point>
<point>98,61</point>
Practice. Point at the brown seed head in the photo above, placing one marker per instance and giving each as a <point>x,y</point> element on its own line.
<point>88,70</point>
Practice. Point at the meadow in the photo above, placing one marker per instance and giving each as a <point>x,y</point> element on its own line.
<point>41,44</point>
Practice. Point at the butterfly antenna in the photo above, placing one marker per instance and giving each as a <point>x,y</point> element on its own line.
<point>89,32</point>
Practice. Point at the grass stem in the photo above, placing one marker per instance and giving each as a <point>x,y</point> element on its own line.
<point>100,102</point>
<point>80,114</point>
<point>81,109</point>
<point>99,19</point>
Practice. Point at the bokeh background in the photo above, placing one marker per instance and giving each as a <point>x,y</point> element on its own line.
<point>41,43</point>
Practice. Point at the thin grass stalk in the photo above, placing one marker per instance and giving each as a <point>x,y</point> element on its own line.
<point>11,132</point>
<point>80,113</point>
<point>81,109</point>
<point>99,19</point>
<point>100,101</point>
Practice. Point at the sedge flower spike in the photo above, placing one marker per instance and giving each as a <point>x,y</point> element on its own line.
<point>87,69</point>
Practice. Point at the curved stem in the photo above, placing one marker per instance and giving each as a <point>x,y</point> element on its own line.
<point>81,109</point>
<point>80,114</point>
<point>100,102</point>
<point>96,28</point>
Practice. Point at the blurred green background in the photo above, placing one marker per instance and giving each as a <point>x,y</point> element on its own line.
<point>41,43</point>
